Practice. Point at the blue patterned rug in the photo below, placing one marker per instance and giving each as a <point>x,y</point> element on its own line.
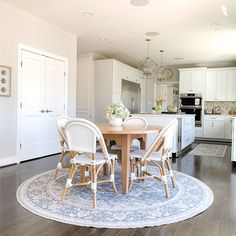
<point>145,204</point>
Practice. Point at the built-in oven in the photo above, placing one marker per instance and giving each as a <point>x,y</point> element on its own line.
<point>191,103</point>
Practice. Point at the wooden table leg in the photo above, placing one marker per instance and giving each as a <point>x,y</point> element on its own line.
<point>82,173</point>
<point>125,143</point>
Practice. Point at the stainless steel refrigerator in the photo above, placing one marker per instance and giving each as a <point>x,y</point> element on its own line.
<point>131,96</point>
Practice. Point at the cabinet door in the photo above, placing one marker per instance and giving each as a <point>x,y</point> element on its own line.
<point>218,129</point>
<point>117,77</point>
<point>143,94</point>
<point>210,86</point>
<point>231,88</point>
<point>221,85</point>
<point>208,125</point>
<point>228,128</point>
<point>184,82</point>
<point>196,81</point>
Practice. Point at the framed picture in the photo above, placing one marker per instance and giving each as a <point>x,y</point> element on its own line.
<point>5,80</point>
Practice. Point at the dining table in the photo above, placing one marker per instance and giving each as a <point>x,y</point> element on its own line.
<point>123,136</point>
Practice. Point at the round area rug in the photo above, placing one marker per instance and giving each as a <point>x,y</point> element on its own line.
<point>145,205</point>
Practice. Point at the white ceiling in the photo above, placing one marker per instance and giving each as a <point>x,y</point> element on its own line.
<point>185,27</point>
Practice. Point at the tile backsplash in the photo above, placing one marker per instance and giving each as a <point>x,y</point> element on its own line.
<point>225,106</point>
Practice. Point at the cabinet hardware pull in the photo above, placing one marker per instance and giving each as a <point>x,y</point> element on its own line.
<point>42,111</point>
<point>48,111</point>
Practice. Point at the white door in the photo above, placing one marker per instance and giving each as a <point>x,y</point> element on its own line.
<point>54,103</point>
<point>42,98</point>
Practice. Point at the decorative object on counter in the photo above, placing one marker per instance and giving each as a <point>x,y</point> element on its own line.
<point>163,73</point>
<point>216,110</point>
<point>211,150</point>
<point>159,104</point>
<point>115,113</point>
<point>147,66</point>
<point>5,80</point>
<point>232,112</point>
<point>172,109</point>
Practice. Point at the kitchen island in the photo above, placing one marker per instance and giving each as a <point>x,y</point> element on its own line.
<point>233,150</point>
<point>185,134</point>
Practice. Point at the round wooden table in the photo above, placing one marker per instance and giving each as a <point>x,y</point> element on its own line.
<point>124,136</point>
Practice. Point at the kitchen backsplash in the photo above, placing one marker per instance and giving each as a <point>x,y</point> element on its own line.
<point>225,106</point>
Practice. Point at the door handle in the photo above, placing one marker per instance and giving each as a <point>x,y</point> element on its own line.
<point>42,111</point>
<point>47,111</point>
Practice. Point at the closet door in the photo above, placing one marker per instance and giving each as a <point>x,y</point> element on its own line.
<point>43,100</point>
<point>32,105</point>
<point>54,103</point>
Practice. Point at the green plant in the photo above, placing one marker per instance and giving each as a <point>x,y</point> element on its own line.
<point>116,110</point>
<point>159,104</point>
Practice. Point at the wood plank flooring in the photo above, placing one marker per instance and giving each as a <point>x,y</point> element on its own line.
<point>220,219</point>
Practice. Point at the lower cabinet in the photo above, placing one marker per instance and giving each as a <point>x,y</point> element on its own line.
<point>214,127</point>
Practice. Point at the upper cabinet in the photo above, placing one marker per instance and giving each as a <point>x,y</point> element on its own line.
<point>231,88</point>
<point>191,80</point>
<point>216,85</point>
<point>220,84</point>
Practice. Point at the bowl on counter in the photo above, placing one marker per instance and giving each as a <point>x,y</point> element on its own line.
<point>172,109</point>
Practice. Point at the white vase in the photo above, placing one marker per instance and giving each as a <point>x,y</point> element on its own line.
<point>116,121</point>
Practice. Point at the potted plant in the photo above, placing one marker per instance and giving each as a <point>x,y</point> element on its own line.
<point>158,106</point>
<point>115,113</point>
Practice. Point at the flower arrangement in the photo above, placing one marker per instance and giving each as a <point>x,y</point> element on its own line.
<point>116,110</point>
<point>159,104</point>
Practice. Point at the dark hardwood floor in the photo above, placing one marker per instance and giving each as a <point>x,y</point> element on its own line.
<point>220,219</point>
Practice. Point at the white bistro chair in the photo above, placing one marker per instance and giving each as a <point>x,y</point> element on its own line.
<point>158,154</point>
<point>61,122</point>
<point>82,136</point>
<point>133,121</point>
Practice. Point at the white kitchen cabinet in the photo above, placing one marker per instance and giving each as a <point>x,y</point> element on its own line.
<point>228,127</point>
<point>216,85</point>
<point>214,126</point>
<point>109,74</point>
<point>192,80</point>
<point>107,86</point>
<point>143,95</point>
<point>198,132</point>
<point>231,88</point>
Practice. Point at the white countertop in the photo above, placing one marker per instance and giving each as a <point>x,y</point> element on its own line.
<point>165,115</point>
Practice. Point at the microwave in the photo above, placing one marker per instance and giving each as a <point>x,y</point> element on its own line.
<point>190,99</point>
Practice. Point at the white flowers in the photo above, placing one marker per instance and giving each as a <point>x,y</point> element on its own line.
<point>116,110</point>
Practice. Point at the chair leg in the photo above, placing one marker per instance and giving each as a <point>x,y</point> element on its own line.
<point>94,186</point>
<point>113,175</point>
<point>170,172</point>
<point>59,165</point>
<point>68,182</point>
<point>164,179</point>
<point>132,173</point>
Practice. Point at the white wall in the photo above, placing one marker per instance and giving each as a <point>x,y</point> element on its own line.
<point>19,27</point>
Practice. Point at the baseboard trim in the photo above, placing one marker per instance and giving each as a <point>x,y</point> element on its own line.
<point>6,161</point>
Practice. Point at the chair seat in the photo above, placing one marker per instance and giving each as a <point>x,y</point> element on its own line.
<point>118,147</point>
<point>85,160</point>
<point>154,156</point>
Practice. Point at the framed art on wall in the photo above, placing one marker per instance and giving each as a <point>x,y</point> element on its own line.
<point>5,80</point>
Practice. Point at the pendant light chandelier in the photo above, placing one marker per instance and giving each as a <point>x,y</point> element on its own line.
<point>163,72</point>
<point>147,67</point>
<point>160,72</point>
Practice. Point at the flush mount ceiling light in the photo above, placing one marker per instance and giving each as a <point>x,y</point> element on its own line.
<point>139,3</point>
<point>163,72</point>
<point>87,13</point>
<point>147,67</point>
<point>151,34</point>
